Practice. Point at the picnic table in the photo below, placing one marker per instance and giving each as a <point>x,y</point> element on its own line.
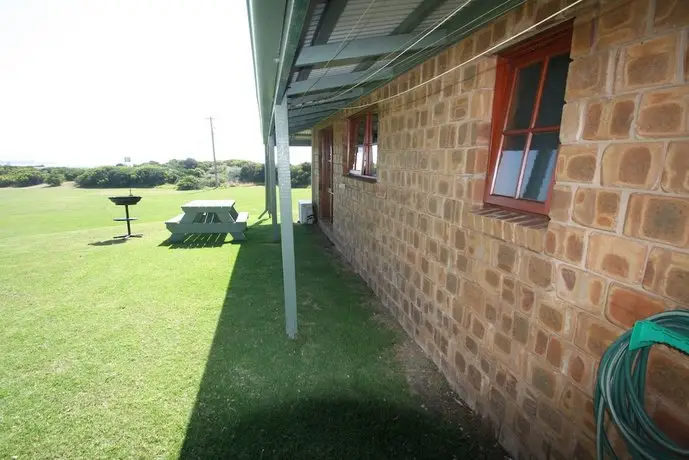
<point>208,216</point>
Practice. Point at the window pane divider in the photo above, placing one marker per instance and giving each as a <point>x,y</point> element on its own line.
<point>512,85</point>
<point>532,124</point>
<point>540,129</point>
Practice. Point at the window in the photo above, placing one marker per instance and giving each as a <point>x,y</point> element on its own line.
<point>362,145</point>
<point>527,108</point>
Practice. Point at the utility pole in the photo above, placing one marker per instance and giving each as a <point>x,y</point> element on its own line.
<point>215,163</point>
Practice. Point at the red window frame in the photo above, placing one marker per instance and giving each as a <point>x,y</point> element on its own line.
<point>352,146</point>
<point>542,47</point>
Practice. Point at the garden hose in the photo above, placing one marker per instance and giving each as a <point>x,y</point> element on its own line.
<point>621,388</point>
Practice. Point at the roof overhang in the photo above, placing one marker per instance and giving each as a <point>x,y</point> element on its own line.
<point>323,54</point>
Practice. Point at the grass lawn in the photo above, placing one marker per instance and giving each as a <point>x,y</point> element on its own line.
<point>147,350</point>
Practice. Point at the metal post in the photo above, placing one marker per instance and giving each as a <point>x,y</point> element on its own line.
<point>265,176</point>
<point>271,190</point>
<point>286,229</point>
<point>126,213</point>
<point>266,184</point>
<point>215,163</point>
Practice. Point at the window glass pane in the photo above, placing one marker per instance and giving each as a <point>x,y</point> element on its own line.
<point>540,163</point>
<point>374,160</point>
<point>507,174</point>
<point>359,158</point>
<point>374,144</point>
<point>524,97</point>
<point>374,127</point>
<point>360,130</point>
<point>553,99</point>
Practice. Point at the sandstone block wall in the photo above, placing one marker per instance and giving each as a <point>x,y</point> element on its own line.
<point>516,310</point>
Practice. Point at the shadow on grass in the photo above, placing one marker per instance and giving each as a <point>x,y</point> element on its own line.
<point>259,222</point>
<point>332,428</point>
<point>108,242</point>
<point>335,392</point>
<point>201,240</point>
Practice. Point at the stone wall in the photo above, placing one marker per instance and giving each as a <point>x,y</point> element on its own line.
<point>516,310</point>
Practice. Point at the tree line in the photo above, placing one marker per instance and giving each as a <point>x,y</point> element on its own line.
<point>188,174</point>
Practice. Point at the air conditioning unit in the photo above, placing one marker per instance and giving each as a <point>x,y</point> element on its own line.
<point>305,212</point>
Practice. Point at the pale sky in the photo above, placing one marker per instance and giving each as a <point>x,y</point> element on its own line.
<point>88,82</point>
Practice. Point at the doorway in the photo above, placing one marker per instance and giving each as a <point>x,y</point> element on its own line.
<point>326,176</point>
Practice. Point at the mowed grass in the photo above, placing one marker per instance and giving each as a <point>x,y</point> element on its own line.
<point>145,350</point>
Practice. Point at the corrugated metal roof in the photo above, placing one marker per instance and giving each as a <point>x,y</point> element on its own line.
<point>378,64</point>
<point>381,19</point>
<point>337,70</point>
<point>357,19</point>
<point>439,14</point>
<point>332,70</point>
<point>317,11</point>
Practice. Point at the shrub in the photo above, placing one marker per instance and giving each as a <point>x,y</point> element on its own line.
<point>188,183</point>
<point>175,164</point>
<point>54,179</point>
<point>233,174</point>
<point>209,180</point>
<point>151,174</point>
<point>171,176</point>
<point>238,163</point>
<point>300,175</point>
<point>206,166</point>
<point>68,174</point>
<point>196,172</point>
<point>106,176</point>
<point>253,172</point>
<point>123,176</point>
<point>190,163</point>
<point>148,176</point>
<point>5,181</point>
<point>25,177</point>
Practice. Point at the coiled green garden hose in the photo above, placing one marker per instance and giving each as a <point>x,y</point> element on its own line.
<point>621,387</point>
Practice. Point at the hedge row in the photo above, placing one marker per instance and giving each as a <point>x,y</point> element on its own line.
<point>186,174</point>
<point>25,176</point>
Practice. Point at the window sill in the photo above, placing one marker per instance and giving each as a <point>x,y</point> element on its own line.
<point>514,226</point>
<point>362,177</point>
<point>523,218</point>
<point>520,206</point>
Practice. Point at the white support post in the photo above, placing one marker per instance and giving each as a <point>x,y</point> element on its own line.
<point>286,229</point>
<point>267,208</point>
<point>273,207</point>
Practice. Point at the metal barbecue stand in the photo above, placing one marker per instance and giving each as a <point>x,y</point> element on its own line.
<point>126,201</point>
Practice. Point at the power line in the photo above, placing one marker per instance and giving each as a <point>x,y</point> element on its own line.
<point>430,49</point>
<point>478,56</point>
<point>340,48</point>
<point>423,35</point>
<point>415,39</point>
<point>459,82</point>
<point>406,101</point>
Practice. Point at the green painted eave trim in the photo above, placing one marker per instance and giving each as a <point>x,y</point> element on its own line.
<point>275,27</point>
<point>266,20</point>
<point>297,12</point>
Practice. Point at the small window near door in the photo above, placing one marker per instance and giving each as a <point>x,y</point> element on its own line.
<point>527,109</point>
<point>362,145</point>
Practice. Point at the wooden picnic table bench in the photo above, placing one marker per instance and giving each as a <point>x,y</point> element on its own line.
<point>208,216</point>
